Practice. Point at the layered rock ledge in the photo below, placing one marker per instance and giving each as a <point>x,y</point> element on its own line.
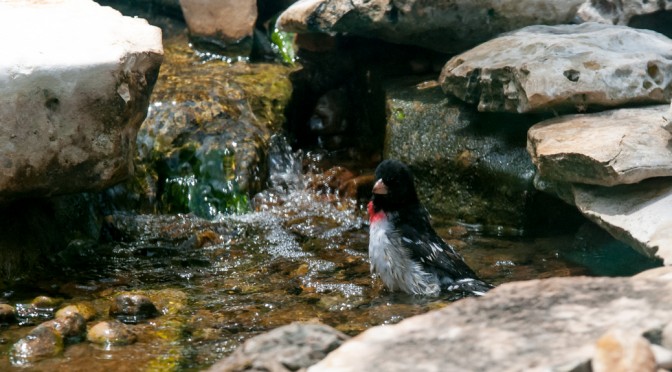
<point>446,26</point>
<point>565,68</point>
<point>71,98</point>
<point>608,148</point>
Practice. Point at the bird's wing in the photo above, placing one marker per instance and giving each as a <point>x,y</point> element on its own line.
<point>426,247</point>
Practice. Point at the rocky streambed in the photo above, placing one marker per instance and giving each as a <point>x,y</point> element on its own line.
<point>542,154</point>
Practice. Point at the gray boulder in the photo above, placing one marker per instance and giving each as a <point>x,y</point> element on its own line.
<point>565,68</point>
<point>446,26</point>
<point>70,111</point>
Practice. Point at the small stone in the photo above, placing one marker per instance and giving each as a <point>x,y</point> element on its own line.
<point>132,308</point>
<point>663,356</point>
<point>41,343</point>
<point>111,333</point>
<point>45,302</point>
<point>86,310</point>
<point>70,326</point>
<point>7,314</point>
<point>618,350</point>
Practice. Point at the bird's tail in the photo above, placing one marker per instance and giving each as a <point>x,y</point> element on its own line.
<point>475,287</point>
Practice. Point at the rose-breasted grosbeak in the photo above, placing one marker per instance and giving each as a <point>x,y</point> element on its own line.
<point>404,249</point>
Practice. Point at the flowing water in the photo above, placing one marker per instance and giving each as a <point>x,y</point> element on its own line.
<point>301,256</point>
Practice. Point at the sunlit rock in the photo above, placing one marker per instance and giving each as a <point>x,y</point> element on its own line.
<point>289,348</point>
<point>638,214</point>
<point>618,350</point>
<point>619,12</point>
<point>70,327</point>
<point>565,68</point>
<point>70,111</point>
<point>493,333</point>
<point>111,333</point>
<point>225,24</point>
<point>132,308</point>
<point>46,302</point>
<point>40,343</point>
<point>668,117</point>
<point>85,309</point>
<point>608,148</point>
<point>447,26</point>
<point>7,314</point>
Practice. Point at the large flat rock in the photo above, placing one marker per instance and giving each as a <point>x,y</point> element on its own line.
<point>446,26</point>
<point>73,93</point>
<point>564,68</point>
<point>539,325</point>
<point>640,215</point>
<point>609,148</point>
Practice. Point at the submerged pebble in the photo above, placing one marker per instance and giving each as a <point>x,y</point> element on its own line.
<point>132,308</point>
<point>111,333</point>
<point>40,343</point>
<point>7,314</point>
<point>85,309</point>
<point>46,302</point>
<point>70,326</point>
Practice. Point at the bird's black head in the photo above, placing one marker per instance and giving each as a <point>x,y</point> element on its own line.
<point>394,188</point>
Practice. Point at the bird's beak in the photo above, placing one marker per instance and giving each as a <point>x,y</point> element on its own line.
<point>379,187</point>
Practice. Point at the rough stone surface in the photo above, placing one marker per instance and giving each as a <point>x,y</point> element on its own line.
<point>668,117</point>
<point>618,350</point>
<point>70,111</point>
<point>493,333</point>
<point>466,166</point>
<point>221,21</point>
<point>608,148</point>
<point>619,12</point>
<point>638,215</point>
<point>565,68</point>
<point>447,26</point>
<point>288,348</point>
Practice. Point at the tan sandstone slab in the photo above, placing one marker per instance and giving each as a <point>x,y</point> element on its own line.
<point>614,147</point>
<point>564,68</point>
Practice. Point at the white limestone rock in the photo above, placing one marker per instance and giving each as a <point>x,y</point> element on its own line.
<point>564,68</point>
<point>609,148</point>
<point>446,26</point>
<point>75,81</point>
<point>619,12</point>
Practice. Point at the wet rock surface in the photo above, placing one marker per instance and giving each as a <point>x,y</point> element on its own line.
<point>70,112</point>
<point>566,68</point>
<point>132,308</point>
<point>40,343</point>
<point>492,333</point>
<point>444,26</point>
<point>111,333</point>
<point>456,155</point>
<point>289,348</point>
<point>609,148</point>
